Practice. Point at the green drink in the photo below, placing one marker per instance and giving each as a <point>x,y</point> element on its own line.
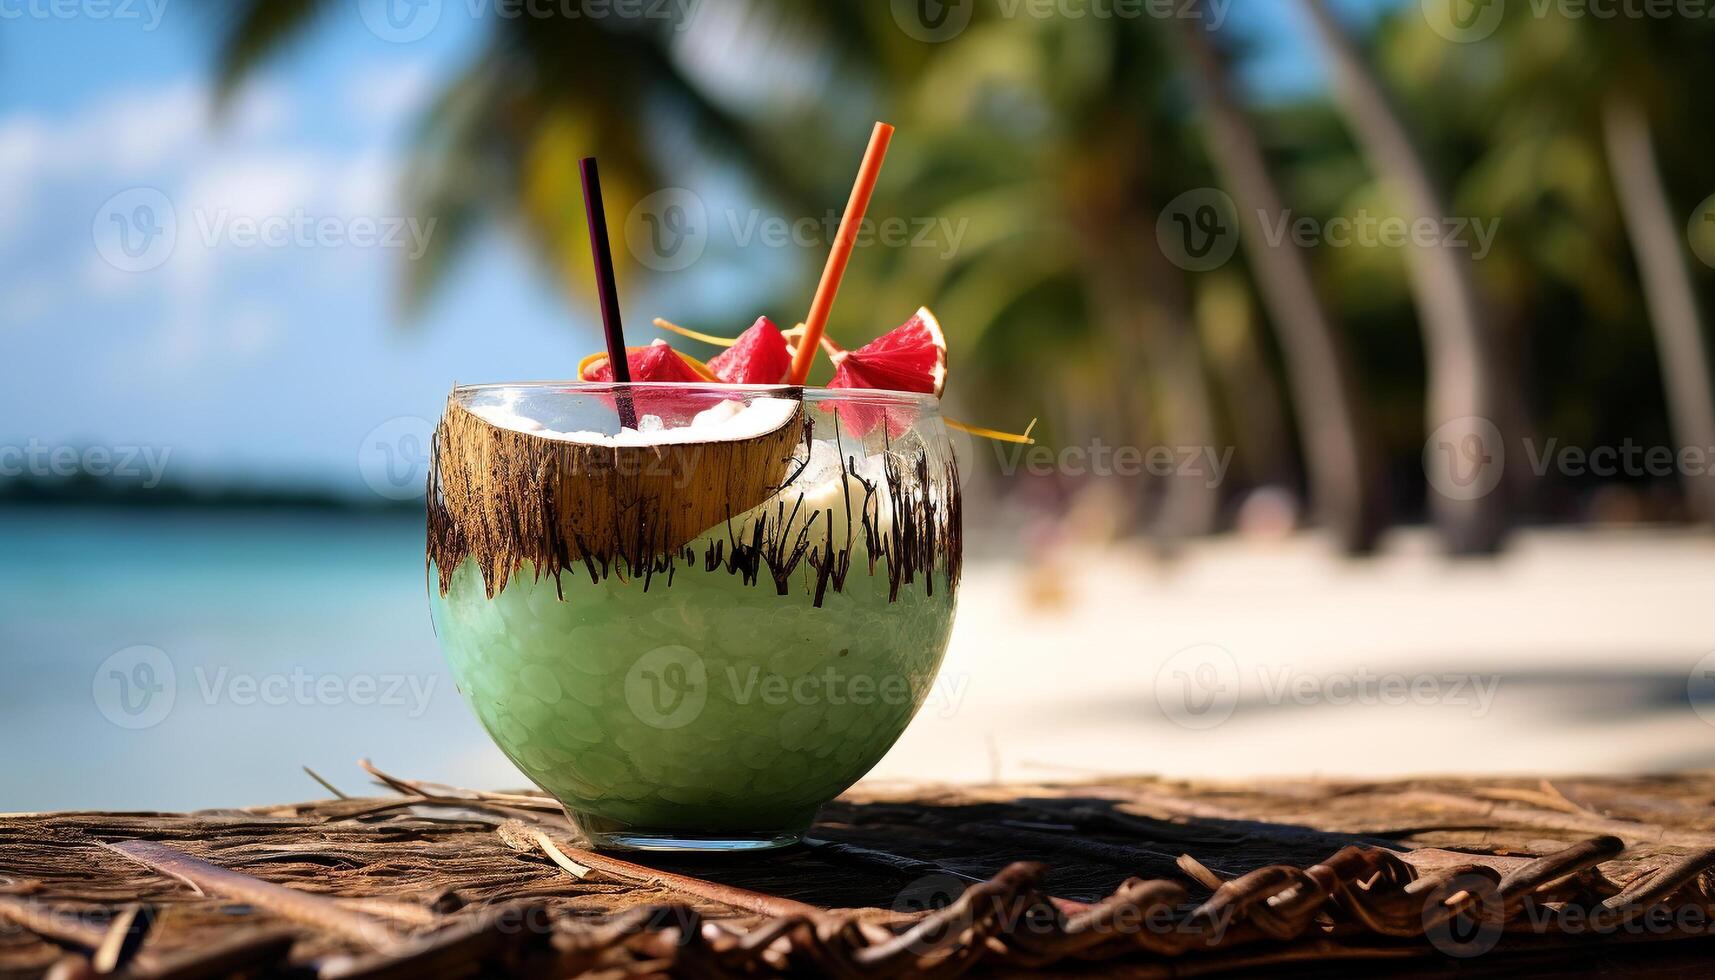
<point>710,692</point>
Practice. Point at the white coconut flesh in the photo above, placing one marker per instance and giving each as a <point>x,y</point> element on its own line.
<point>825,492</point>
<point>728,421</point>
<point>818,498</point>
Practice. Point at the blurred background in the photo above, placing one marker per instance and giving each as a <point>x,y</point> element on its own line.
<point>1367,340</point>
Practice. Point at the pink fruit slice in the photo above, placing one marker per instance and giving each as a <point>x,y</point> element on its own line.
<point>656,362</point>
<point>911,357</point>
<point>760,356</point>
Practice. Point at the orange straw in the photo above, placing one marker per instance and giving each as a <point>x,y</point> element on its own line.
<point>823,304</point>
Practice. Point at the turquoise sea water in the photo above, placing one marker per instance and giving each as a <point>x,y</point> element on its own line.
<point>173,659</point>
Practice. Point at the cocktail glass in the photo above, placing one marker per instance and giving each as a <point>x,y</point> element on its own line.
<point>695,632</point>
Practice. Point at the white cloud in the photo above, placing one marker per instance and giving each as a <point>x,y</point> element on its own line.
<point>368,185</point>
<point>255,164</point>
<point>135,132</point>
<point>261,109</point>
<point>22,145</point>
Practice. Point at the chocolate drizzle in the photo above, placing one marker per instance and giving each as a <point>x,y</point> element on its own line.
<point>503,498</point>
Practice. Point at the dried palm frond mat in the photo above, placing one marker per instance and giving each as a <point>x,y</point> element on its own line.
<point>1419,877</point>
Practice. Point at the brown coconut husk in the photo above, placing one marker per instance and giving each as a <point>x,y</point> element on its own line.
<point>502,497</point>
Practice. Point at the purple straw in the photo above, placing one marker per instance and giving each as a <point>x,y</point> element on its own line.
<point>606,290</point>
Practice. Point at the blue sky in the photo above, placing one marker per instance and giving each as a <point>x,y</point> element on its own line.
<point>241,359</point>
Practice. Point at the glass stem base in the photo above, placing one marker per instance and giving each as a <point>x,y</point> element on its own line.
<point>607,835</point>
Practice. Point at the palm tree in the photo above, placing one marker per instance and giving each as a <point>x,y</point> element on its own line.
<point>1062,259</point>
<point>503,139</point>
<point>1667,286</point>
<point>1583,122</point>
<point>1325,396</point>
<point>1055,260</point>
<point>1463,379</point>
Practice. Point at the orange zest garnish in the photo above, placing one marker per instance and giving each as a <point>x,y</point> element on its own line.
<point>707,338</point>
<point>599,357</point>
<point>1022,439</point>
<point>792,333</point>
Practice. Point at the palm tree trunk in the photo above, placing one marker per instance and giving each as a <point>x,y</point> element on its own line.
<point>1143,306</point>
<point>1263,437</point>
<point>1157,298</point>
<point>1463,407</point>
<point>1190,506</point>
<point>1343,494</point>
<point>1668,290</point>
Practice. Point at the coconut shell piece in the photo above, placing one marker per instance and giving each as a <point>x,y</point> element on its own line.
<point>503,497</point>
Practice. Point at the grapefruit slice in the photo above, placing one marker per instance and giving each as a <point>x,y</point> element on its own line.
<point>910,357</point>
<point>759,356</point>
<point>656,362</point>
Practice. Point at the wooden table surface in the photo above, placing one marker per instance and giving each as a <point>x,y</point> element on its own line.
<point>1138,877</point>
